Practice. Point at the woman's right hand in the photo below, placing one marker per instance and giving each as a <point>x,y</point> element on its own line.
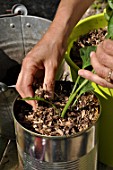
<point>40,64</point>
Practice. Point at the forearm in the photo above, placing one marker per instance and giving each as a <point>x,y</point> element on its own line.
<point>67,16</point>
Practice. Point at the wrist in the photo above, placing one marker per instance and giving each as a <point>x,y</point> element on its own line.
<point>66,18</point>
<point>55,36</point>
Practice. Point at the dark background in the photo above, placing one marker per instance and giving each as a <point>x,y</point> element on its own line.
<point>41,8</point>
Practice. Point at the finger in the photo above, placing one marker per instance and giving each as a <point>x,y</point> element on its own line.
<point>94,78</point>
<point>107,45</point>
<point>100,69</point>
<point>49,79</point>
<point>104,57</point>
<point>27,93</point>
<point>24,86</point>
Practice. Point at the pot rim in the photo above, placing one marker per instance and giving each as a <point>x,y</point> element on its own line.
<point>57,137</point>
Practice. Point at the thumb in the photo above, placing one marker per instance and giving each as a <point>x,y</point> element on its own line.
<point>92,54</point>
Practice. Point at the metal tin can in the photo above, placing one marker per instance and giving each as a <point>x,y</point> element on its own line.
<point>38,152</point>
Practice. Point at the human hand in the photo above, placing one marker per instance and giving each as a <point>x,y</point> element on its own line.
<point>40,64</point>
<point>102,62</point>
<point>46,56</point>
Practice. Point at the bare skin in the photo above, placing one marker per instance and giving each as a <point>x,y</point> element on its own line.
<point>102,62</point>
<point>45,57</point>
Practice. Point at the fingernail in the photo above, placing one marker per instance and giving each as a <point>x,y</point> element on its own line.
<point>92,53</point>
<point>80,72</point>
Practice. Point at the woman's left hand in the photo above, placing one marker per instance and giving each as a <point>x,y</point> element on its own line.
<point>102,63</point>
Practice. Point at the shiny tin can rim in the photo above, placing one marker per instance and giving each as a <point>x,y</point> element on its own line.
<point>56,137</point>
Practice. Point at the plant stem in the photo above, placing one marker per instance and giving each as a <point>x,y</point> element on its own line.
<point>76,100</point>
<point>72,98</point>
<point>75,85</point>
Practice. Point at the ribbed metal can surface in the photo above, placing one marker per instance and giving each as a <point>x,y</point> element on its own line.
<point>86,162</point>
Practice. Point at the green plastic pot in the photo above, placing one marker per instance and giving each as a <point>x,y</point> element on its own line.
<point>105,95</point>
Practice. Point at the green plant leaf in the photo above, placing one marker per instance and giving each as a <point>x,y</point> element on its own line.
<point>108,13</point>
<point>110,29</point>
<point>85,55</point>
<point>86,88</point>
<point>39,99</point>
<point>110,3</point>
